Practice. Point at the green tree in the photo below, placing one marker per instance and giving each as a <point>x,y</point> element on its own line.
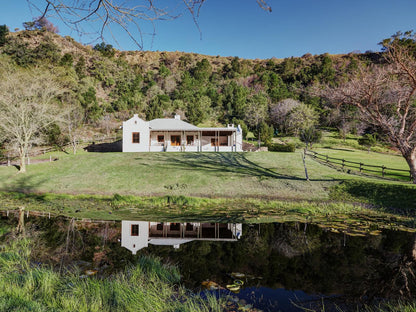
<point>198,111</point>
<point>235,100</point>
<point>265,132</point>
<point>67,60</point>
<point>368,140</point>
<point>80,67</point>
<point>202,71</point>
<point>256,112</point>
<point>155,108</point>
<point>302,117</point>
<point>89,103</point>
<point>310,135</point>
<point>4,31</point>
<point>106,50</point>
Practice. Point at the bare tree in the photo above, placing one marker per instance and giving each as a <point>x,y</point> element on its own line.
<point>386,95</point>
<point>129,14</point>
<point>26,108</point>
<point>73,120</point>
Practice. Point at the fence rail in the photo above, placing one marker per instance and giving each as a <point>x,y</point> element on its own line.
<point>383,170</point>
<point>7,159</point>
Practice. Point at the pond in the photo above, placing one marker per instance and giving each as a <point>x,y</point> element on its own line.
<point>268,267</point>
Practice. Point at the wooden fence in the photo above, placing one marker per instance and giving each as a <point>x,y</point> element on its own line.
<point>7,159</point>
<point>361,167</point>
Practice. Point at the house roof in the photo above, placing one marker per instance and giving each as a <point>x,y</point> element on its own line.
<point>173,124</point>
<point>170,124</point>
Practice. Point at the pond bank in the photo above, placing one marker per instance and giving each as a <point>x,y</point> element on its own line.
<point>354,218</point>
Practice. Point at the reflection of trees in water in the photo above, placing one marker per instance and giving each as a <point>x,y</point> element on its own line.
<point>65,242</point>
<point>294,256</point>
<point>310,259</point>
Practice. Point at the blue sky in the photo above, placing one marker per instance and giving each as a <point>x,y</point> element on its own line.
<point>240,28</point>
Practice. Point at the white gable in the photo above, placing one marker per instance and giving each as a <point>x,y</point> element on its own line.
<point>136,135</point>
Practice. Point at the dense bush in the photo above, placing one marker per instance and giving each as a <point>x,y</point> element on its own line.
<point>277,147</point>
<point>4,31</point>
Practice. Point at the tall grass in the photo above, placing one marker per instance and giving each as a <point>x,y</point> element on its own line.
<point>148,286</point>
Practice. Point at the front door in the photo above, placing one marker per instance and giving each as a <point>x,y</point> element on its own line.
<point>175,140</point>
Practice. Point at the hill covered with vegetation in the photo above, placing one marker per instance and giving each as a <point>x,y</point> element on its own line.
<point>103,86</point>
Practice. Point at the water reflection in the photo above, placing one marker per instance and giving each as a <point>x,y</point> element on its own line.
<point>136,235</point>
<point>278,262</point>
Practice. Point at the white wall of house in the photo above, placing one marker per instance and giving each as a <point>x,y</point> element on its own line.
<point>148,141</point>
<point>135,125</point>
<point>134,242</point>
<point>239,140</point>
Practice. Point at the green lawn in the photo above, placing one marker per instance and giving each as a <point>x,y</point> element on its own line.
<point>372,158</point>
<point>276,175</point>
<point>249,186</point>
<point>230,175</point>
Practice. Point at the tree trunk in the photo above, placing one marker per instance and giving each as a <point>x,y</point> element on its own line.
<point>411,161</point>
<point>21,224</point>
<point>22,155</point>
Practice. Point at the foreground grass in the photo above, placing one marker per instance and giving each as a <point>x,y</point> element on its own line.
<point>147,286</point>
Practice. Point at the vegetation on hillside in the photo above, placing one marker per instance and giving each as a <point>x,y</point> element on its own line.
<point>105,84</point>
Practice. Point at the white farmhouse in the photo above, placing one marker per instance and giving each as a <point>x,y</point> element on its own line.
<point>176,135</point>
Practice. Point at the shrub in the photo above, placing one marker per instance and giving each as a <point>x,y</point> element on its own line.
<point>276,147</point>
<point>4,31</point>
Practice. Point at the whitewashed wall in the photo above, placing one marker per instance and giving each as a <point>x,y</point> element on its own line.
<point>135,124</point>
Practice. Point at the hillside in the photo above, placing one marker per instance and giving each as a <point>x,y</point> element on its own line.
<point>106,86</point>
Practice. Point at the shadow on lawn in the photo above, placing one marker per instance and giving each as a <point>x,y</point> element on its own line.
<point>25,186</point>
<point>225,162</point>
<point>394,198</point>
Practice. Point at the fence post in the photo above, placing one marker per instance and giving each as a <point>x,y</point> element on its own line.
<point>326,158</point>
<point>382,170</point>
<point>361,166</point>
<point>8,161</point>
<point>343,164</point>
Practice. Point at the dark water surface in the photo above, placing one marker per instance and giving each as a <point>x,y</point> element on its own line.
<point>282,266</point>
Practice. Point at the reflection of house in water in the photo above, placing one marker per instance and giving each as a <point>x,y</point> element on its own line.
<point>136,235</point>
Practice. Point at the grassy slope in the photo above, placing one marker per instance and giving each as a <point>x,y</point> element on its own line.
<point>235,176</point>
<point>277,175</point>
<point>249,180</point>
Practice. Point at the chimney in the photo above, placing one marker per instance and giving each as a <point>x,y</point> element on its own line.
<point>135,115</point>
<point>178,117</point>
